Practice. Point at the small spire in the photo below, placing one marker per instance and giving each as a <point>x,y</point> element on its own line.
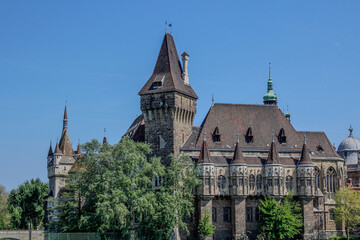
<point>238,138</point>
<point>273,138</point>
<point>104,139</point>
<point>273,156</point>
<point>50,150</point>
<point>57,148</point>
<point>270,97</point>
<point>351,130</point>
<point>65,120</point>
<point>238,156</point>
<point>304,138</point>
<point>78,150</point>
<point>204,156</point>
<point>269,70</point>
<point>305,157</point>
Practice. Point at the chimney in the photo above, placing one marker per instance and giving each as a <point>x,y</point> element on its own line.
<point>185,74</point>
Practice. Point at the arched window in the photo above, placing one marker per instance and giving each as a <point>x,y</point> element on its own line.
<point>249,138</point>
<point>289,183</point>
<point>259,181</point>
<point>317,178</point>
<point>331,180</point>
<point>282,136</point>
<point>221,182</point>
<point>252,181</point>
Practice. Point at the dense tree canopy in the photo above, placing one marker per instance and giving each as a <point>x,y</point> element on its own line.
<point>26,204</point>
<point>119,188</point>
<point>4,213</point>
<point>347,208</point>
<point>280,220</point>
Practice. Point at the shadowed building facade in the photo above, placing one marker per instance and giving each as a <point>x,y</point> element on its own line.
<point>244,152</point>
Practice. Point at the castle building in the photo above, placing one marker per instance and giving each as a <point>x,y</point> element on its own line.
<point>244,151</point>
<point>349,149</point>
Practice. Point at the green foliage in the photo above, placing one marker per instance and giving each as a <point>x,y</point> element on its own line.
<point>206,229</point>
<point>280,220</point>
<point>113,186</point>
<point>25,204</point>
<point>343,238</point>
<point>347,209</point>
<point>4,213</point>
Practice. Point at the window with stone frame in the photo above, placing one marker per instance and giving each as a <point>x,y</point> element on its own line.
<point>276,182</point>
<point>302,183</point>
<point>257,214</point>
<point>259,181</point>
<point>331,180</point>
<point>214,214</point>
<point>317,178</point>
<point>207,181</point>
<point>234,182</point>
<point>241,182</point>
<point>221,182</point>
<point>308,182</point>
<point>289,183</point>
<point>249,214</point>
<point>332,214</point>
<point>252,181</point>
<point>227,214</point>
<point>269,182</point>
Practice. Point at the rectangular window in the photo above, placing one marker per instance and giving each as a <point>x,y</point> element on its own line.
<point>257,214</point>
<point>308,182</point>
<point>214,214</point>
<point>249,214</point>
<point>332,215</point>
<point>241,182</point>
<point>227,214</point>
<point>269,182</point>
<point>276,182</point>
<point>302,182</point>
<point>234,182</point>
<point>207,181</point>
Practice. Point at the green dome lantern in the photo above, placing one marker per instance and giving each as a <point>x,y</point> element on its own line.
<point>270,97</point>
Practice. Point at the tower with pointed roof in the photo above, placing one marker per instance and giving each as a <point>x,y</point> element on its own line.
<point>168,102</point>
<point>270,97</point>
<point>60,161</point>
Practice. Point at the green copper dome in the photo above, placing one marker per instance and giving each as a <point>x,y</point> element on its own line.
<point>270,97</point>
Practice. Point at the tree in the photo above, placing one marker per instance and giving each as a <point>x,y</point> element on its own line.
<point>4,213</point>
<point>206,229</point>
<point>113,187</point>
<point>280,220</point>
<point>25,204</point>
<point>347,209</point>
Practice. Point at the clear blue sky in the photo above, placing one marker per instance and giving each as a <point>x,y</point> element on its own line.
<point>98,54</point>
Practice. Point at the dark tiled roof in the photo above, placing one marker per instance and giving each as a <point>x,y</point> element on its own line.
<point>233,119</point>
<point>65,143</point>
<point>273,156</point>
<point>204,156</point>
<point>305,155</point>
<point>168,71</point>
<point>249,160</point>
<point>136,130</point>
<point>319,144</point>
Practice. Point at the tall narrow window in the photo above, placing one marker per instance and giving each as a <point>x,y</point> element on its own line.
<point>214,214</point>
<point>216,135</point>
<point>282,136</point>
<point>249,214</point>
<point>221,182</point>
<point>227,214</point>
<point>259,182</point>
<point>317,178</point>
<point>331,180</point>
<point>257,214</point>
<point>249,136</point>
<point>252,181</point>
<point>289,183</point>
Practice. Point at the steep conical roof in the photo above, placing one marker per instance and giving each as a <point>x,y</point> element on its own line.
<point>238,156</point>
<point>167,72</point>
<point>204,153</point>
<point>273,157</point>
<point>78,150</point>
<point>57,149</point>
<point>305,155</point>
<point>50,151</point>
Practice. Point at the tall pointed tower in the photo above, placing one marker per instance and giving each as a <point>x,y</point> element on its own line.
<point>168,102</point>
<point>60,162</point>
<point>270,97</point>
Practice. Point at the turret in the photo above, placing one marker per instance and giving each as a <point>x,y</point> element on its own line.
<point>274,172</point>
<point>207,171</point>
<point>270,97</point>
<point>305,173</point>
<point>238,172</point>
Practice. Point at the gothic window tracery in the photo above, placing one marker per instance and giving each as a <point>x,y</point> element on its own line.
<point>331,180</point>
<point>221,181</point>
<point>252,181</point>
<point>317,178</point>
<point>289,183</point>
<point>259,181</point>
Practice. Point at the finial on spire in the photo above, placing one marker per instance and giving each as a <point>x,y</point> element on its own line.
<point>238,138</point>
<point>273,138</point>
<point>212,99</point>
<point>165,26</point>
<point>304,138</point>
<point>170,25</point>
<point>204,135</point>
<point>269,70</point>
<point>351,130</point>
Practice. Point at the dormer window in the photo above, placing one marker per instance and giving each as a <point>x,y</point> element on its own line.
<point>216,135</point>
<point>249,136</point>
<point>319,148</point>
<point>157,83</point>
<point>282,136</point>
